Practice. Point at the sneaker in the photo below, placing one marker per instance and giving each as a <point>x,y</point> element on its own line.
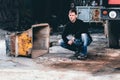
<point>82,57</point>
<point>75,55</point>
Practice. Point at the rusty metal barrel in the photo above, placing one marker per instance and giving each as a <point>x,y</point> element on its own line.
<point>33,42</point>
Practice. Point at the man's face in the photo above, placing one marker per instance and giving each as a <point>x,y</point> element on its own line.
<point>72,17</point>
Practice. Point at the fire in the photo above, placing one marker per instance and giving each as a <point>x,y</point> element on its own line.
<point>24,44</point>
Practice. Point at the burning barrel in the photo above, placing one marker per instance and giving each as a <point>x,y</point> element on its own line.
<point>33,42</point>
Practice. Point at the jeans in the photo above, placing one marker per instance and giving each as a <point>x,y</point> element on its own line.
<point>79,44</point>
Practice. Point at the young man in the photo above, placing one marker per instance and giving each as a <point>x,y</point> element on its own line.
<point>80,37</point>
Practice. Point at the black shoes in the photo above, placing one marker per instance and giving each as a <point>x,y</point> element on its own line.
<point>78,57</point>
<point>82,57</point>
<point>76,54</point>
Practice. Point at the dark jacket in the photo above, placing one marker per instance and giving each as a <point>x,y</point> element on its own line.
<point>75,29</point>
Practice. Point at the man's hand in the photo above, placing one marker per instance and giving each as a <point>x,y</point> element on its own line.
<point>70,42</point>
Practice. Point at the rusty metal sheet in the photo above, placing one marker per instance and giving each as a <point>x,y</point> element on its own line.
<point>40,39</point>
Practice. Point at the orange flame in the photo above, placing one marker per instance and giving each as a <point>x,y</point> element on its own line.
<point>24,44</point>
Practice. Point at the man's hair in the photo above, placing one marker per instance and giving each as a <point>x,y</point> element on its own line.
<point>73,10</point>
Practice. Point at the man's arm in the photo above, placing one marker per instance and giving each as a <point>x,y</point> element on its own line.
<point>65,34</point>
<point>64,37</point>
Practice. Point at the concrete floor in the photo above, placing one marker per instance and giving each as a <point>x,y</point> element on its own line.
<point>57,66</point>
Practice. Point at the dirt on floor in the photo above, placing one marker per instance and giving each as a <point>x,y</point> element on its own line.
<point>102,62</point>
<point>101,59</point>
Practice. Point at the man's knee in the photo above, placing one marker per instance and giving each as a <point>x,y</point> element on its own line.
<point>62,43</point>
<point>84,35</point>
<point>86,38</point>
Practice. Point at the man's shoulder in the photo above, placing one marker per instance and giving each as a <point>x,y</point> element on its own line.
<point>79,20</point>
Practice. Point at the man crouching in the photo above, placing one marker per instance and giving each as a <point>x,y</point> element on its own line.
<point>80,37</point>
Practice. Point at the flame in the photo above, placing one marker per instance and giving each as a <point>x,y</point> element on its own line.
<point>24,44</point>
